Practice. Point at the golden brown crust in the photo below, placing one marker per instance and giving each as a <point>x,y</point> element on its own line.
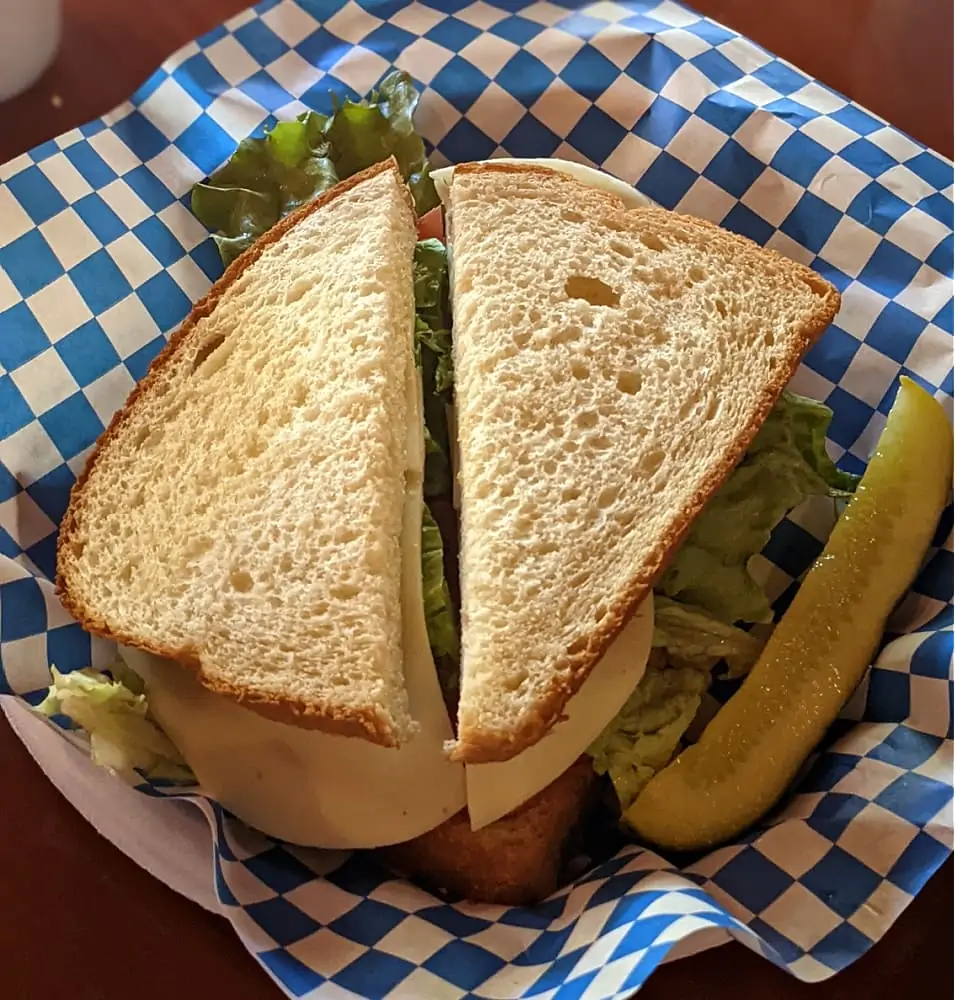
<point>369,724</point>
<point>573,670</point>
<point>516,861</point>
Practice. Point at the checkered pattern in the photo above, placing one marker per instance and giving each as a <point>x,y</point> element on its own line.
<point>100,259</point>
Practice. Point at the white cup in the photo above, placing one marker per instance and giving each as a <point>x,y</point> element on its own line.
<point>29,37</point>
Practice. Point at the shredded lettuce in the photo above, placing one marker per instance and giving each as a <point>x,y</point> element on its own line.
<point>691,636</point>
<point>433,357</point>
<point>112,709</point>
<point>786,464</point>
<point>646,732</point>
<point>438,610</point>
<point>266,179</point>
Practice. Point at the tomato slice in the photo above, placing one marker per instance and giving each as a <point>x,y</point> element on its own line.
<point>431,225</point>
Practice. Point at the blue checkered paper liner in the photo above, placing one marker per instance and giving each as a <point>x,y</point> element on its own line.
<point>100,259</point>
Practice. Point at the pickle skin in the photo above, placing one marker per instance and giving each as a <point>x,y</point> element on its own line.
<point>751,750</point>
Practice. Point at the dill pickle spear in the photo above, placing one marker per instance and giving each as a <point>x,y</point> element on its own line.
<point>751,750</point>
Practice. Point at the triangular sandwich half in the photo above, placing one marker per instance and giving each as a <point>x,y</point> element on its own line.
<point>612,365</point>
<point>243,513</point>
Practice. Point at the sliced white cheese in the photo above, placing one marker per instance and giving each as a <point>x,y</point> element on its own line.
<point>586,175</point>
<point>494,790</point>
<point>313,788</point>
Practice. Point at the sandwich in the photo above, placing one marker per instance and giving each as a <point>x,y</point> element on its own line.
<point>253,514</point>
<point>363,618</point>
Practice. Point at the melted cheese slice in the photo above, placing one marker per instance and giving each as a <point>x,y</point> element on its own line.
<point>494,790</point>
<point>312,788</point>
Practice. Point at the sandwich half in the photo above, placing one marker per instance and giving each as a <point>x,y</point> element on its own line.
<point>612,366</point>
<point>243,513</point>
<point>254,513</point>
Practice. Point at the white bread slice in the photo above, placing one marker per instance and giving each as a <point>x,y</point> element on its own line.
<point>243,512</point>
<point>611,367</point>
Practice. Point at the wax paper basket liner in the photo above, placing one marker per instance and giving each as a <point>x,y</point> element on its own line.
<point>100,259</point>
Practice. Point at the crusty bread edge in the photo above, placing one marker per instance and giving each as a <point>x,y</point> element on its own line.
<point>490,747</point>
<point>367,724</point>
<point>504,863</point>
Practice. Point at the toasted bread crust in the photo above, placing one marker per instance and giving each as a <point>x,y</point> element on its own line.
<point>368,724</point>
<point>515,861</point>
<point>574,668</point>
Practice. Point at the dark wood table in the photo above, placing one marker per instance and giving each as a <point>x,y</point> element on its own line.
<point>79,919</point>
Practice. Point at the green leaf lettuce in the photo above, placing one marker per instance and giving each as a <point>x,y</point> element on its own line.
<point>369,131</point>
<point>646,732</point>
<point>265,179</point>
<point>433,357</point>
<point>114,713</point>
<point>785,465</point>
<point>438,610</point>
